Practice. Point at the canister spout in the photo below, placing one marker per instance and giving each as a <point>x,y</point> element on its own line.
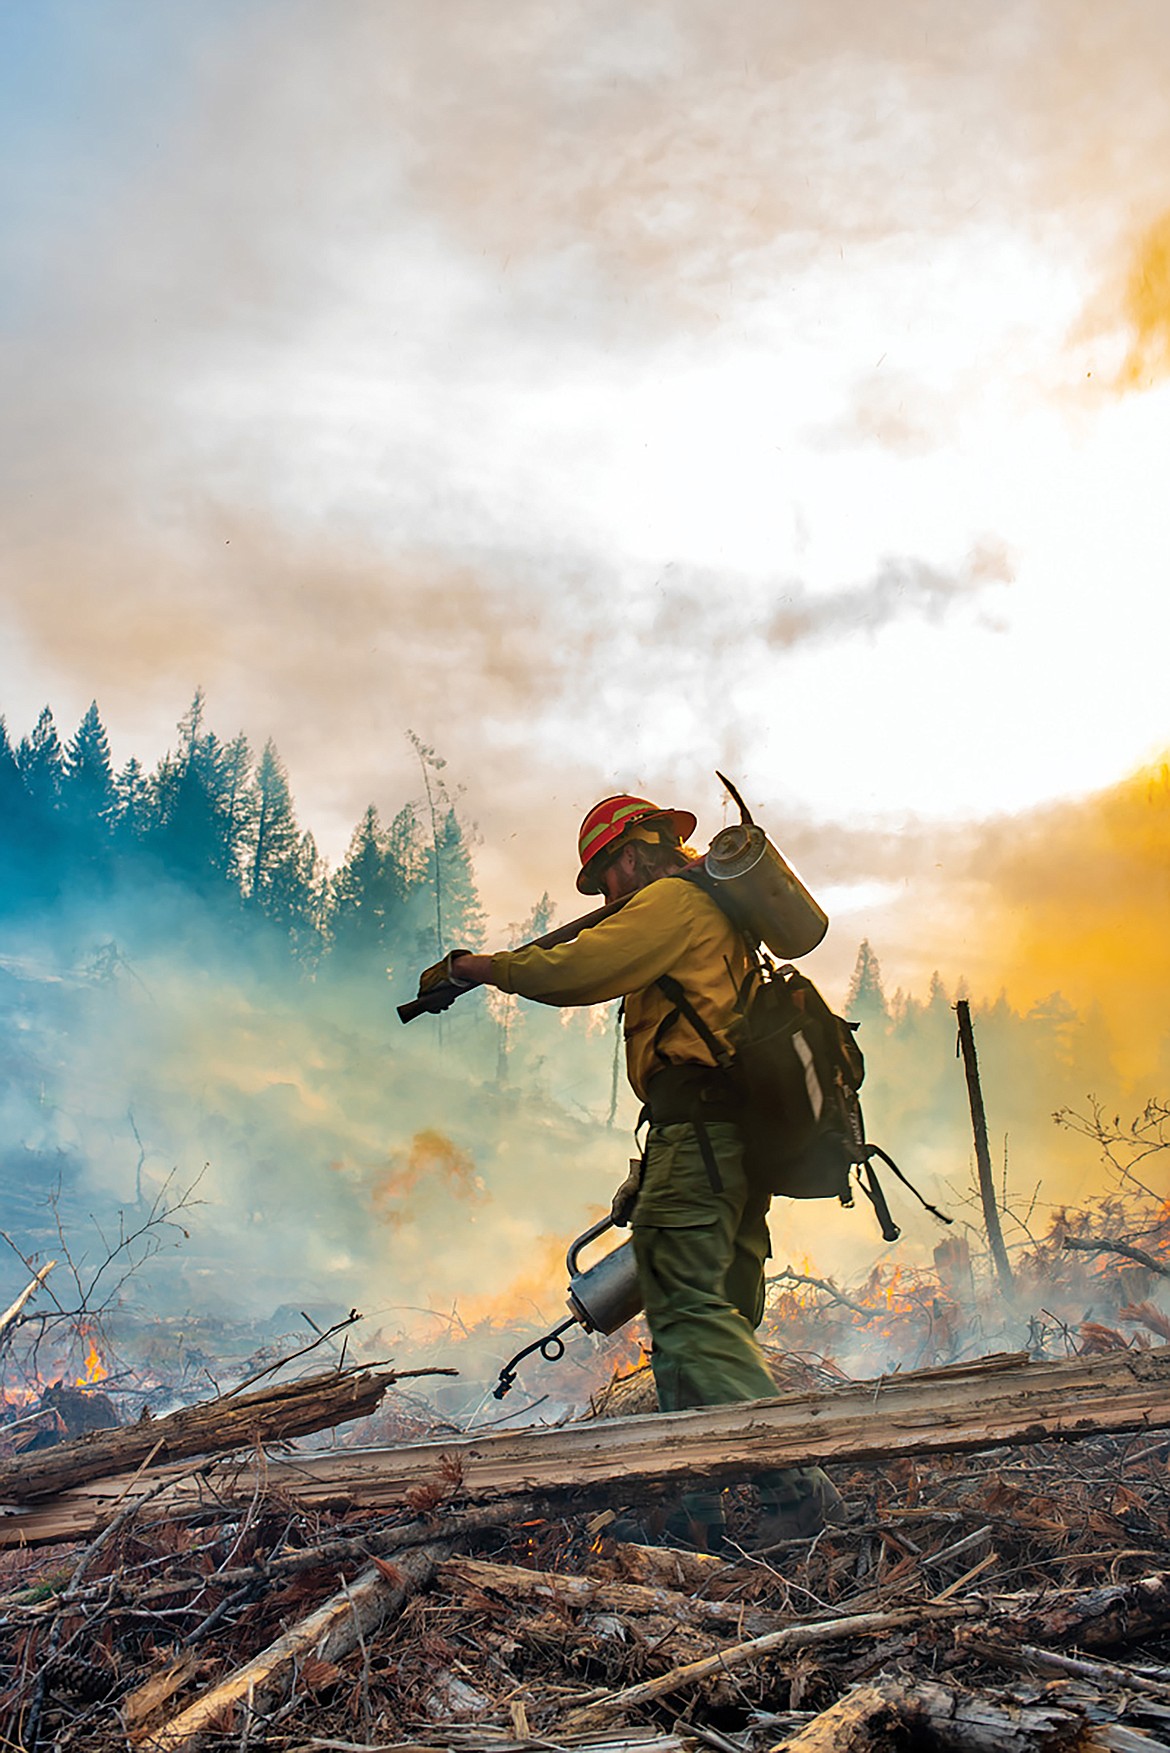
<point>745,815</point>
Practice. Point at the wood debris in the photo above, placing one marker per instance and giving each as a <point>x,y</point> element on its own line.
<point>1015,1595</point>
<point>992,1401</point>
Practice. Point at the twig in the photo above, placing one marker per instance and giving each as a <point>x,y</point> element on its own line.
<point>793,1637</point>
<point>826,1284</point>
<point>1127,1249</point>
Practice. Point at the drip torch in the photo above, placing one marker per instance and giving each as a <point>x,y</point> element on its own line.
<point>601,1298</point>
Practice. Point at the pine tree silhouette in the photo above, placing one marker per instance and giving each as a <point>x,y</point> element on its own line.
<point>89,798</point>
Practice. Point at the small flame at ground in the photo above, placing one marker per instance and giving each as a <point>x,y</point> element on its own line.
<point>95,1369</point>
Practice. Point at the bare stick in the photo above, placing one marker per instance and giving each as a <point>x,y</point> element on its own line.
<point>1127,1249</point>
<point>335,1628</point>
<point>982,1150</point>
<point>793,1637</point>
<point>788,1276</point>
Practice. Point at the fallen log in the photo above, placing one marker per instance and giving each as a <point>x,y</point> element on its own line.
<point>268,1415</point>
<point>926,1714</point>
<point>328,1634</point>
<point>562,1589</point>
<point>1102,1618</point>
<point>1029,1658</point>
<point>974,1406</point>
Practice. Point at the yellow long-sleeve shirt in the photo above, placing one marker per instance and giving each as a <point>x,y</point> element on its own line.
<point>669,927</point>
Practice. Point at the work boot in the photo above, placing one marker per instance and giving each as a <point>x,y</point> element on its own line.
<point>797,1504</point>
<point>683,1529</point>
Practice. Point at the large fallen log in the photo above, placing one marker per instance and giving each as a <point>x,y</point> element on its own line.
<point>993,1402</point>
<point>214,1427</point>
<point>925,1714</point>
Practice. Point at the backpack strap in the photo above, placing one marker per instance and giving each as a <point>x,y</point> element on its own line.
<point>683,1007</point>
<point>872,1188</point>
<point>873,1150</point>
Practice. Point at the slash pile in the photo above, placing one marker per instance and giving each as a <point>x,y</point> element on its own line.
<point>1009,1596</point>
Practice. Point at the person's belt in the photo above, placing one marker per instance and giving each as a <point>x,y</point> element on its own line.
<point>687,1093</point>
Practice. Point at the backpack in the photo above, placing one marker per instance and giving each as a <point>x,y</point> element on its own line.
<point>796,1069</point>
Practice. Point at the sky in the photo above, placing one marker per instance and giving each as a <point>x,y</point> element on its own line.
<point>611,396</point>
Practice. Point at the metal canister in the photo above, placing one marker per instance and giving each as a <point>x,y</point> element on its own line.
<point>766,892</point>
<point>606,1295</point>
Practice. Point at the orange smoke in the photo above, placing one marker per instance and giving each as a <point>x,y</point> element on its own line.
<point>1146,302</point>
<point>430,1163</point>
<point>1081,901</point>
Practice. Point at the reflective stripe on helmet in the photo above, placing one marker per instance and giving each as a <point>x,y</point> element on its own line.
<point>608,820</point>
<point>598,827</point>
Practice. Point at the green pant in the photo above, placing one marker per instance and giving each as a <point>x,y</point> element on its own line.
<point>701,1241</point>
<point>701,1250</point>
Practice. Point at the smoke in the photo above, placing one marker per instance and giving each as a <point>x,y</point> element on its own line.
<point>901,588</point>
<point>1146,304</point>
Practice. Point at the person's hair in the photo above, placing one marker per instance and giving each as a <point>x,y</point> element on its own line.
<point>654,859</point>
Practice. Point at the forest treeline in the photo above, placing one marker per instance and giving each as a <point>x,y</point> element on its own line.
<point>216,823</point>
<point>183,982</point>
<point>212,832</point>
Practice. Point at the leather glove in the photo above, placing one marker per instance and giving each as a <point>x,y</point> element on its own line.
<point>626,1197</point>
<point>440,975</point>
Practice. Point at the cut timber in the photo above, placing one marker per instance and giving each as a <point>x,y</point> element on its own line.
<point>982,1405</point>
<point>355,1612</point>
<point>267,1415</point>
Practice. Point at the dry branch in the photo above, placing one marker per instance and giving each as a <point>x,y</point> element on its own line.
<point>8,1318</point>
<point>773,1643</point>
<point>270,1415</point>
<point>1125,1249</point>
<point>328,1634</point>
<point>1029,1658</point>
<point>562,1589</point>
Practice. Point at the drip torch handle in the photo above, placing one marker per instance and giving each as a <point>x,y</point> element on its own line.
<point>583,1240</point>
<point>438,998</point>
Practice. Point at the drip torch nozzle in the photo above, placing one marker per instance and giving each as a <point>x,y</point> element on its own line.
<point>551,1348</point>
<point>745,815</point>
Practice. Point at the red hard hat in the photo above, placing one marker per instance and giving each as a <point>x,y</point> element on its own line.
<point>608,820</point>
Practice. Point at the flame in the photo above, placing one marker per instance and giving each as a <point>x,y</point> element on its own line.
<point>95,1369</point>
<point>534,1294</point>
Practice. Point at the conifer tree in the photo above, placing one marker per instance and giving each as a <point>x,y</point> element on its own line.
<point>365,897</point>
<point>866,1001</point>
<point>17,840</point>
<point>132,791</point>
<point>88,794</point>
<point>285,879</point>
<point>200,805</point>
<point>274,838</point>
<point>42,765</point>
<point>463,918</point>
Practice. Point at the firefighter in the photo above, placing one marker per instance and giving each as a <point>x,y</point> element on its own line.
<point>699,1226</point>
